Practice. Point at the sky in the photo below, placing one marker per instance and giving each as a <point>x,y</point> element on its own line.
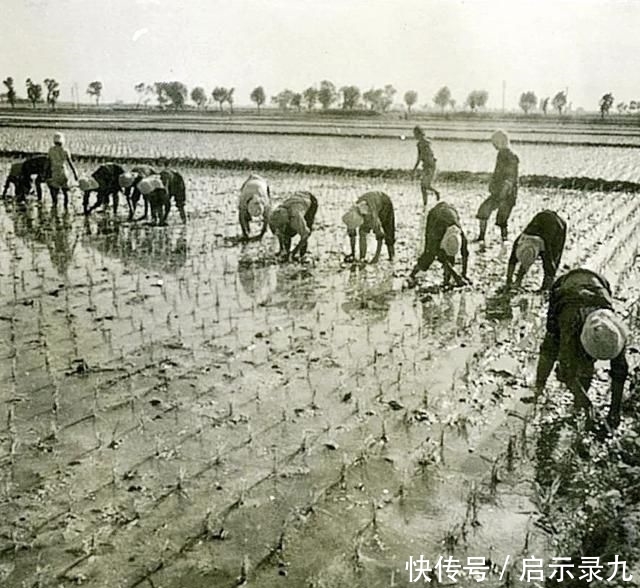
<point>587,46</point>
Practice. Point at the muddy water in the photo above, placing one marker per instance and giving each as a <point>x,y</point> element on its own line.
<point>180,408</point>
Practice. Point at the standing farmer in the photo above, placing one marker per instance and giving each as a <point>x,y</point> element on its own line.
<point>373,211</point>
<point>428,160</point>
<point>59,165</point>
<point>503,187</point>
<point>582,328</point>
<point>293,217</point>
<point>444,239</point>
<point>543,237</point>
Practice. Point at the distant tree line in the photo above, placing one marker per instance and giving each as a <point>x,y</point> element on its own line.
<point>36,95</point>
<point>174,95</point>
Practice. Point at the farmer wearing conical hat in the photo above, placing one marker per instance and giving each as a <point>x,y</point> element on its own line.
<point>156,195</point>
<point>503,187</point>
<point>293,217</point>
<point>444,240</point>
<point>372,212</point>
<point>105,181</point>
<point>254,202</point>
<point>59,165</point>
<point>543,237</point>
<point>582,327</point>
<point>428,160</point>
<point>129,183</point>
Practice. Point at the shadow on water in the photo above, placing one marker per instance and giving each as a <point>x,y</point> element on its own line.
<point>162,249</point>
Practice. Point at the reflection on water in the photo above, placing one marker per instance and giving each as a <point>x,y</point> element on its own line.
<point>157,248</point>
<point>258,280</point>
<point>368,291</point>
<point>37,224</point>
<point>498,307</point>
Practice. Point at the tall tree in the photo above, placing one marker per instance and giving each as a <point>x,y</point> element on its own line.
<point>410,98</point>
<point>544,105</point>
<point>327,94</point>
<point>350,97</point>
<point>283,99</point>
<point>95,89</point>
<point>442,97</point>
<point>310,97</point>
<point>230,98</point>
<point>199,96</point>
<point>528,101</point>
<point>258,96</point>
<point>219,94</point>
<point>559,101</point>
<point>11,91</point>
<point>373,97</point>
<point>388,93</point>
<point>34,92</point>
<point>296,101</point>
<point>171,94</point>
<point>477,99</point>
<point>53,92</point>
<point>606,102</point>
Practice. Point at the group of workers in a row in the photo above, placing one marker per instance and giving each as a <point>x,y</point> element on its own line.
<point>157,188</point>
<point>582,325</point>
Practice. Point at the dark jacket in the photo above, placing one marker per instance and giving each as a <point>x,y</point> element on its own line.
<point>174,184</point>
<point>553,231</point>
<point>439,219</point>
<point>107,176</point>
<point>573,297</point>
<point>425,154</point>
<point>381,221</point>
<point>504,181</point>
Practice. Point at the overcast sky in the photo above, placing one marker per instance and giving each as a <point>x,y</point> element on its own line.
<point>589,46</point>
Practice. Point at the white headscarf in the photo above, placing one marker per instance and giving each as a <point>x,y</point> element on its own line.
<point>603,334</point>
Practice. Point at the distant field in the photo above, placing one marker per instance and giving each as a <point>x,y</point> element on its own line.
<point>608,162</point>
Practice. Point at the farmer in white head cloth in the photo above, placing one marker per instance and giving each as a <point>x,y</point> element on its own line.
<point>582,327</point>
<point>60,164</point>
<point>543,237</point>
<point>254,202</point>
<point>444,240</point>
<point>372,212</point>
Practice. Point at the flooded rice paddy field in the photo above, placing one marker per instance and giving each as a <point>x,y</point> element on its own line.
<point>594,161</point>
<point>176,409</point>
